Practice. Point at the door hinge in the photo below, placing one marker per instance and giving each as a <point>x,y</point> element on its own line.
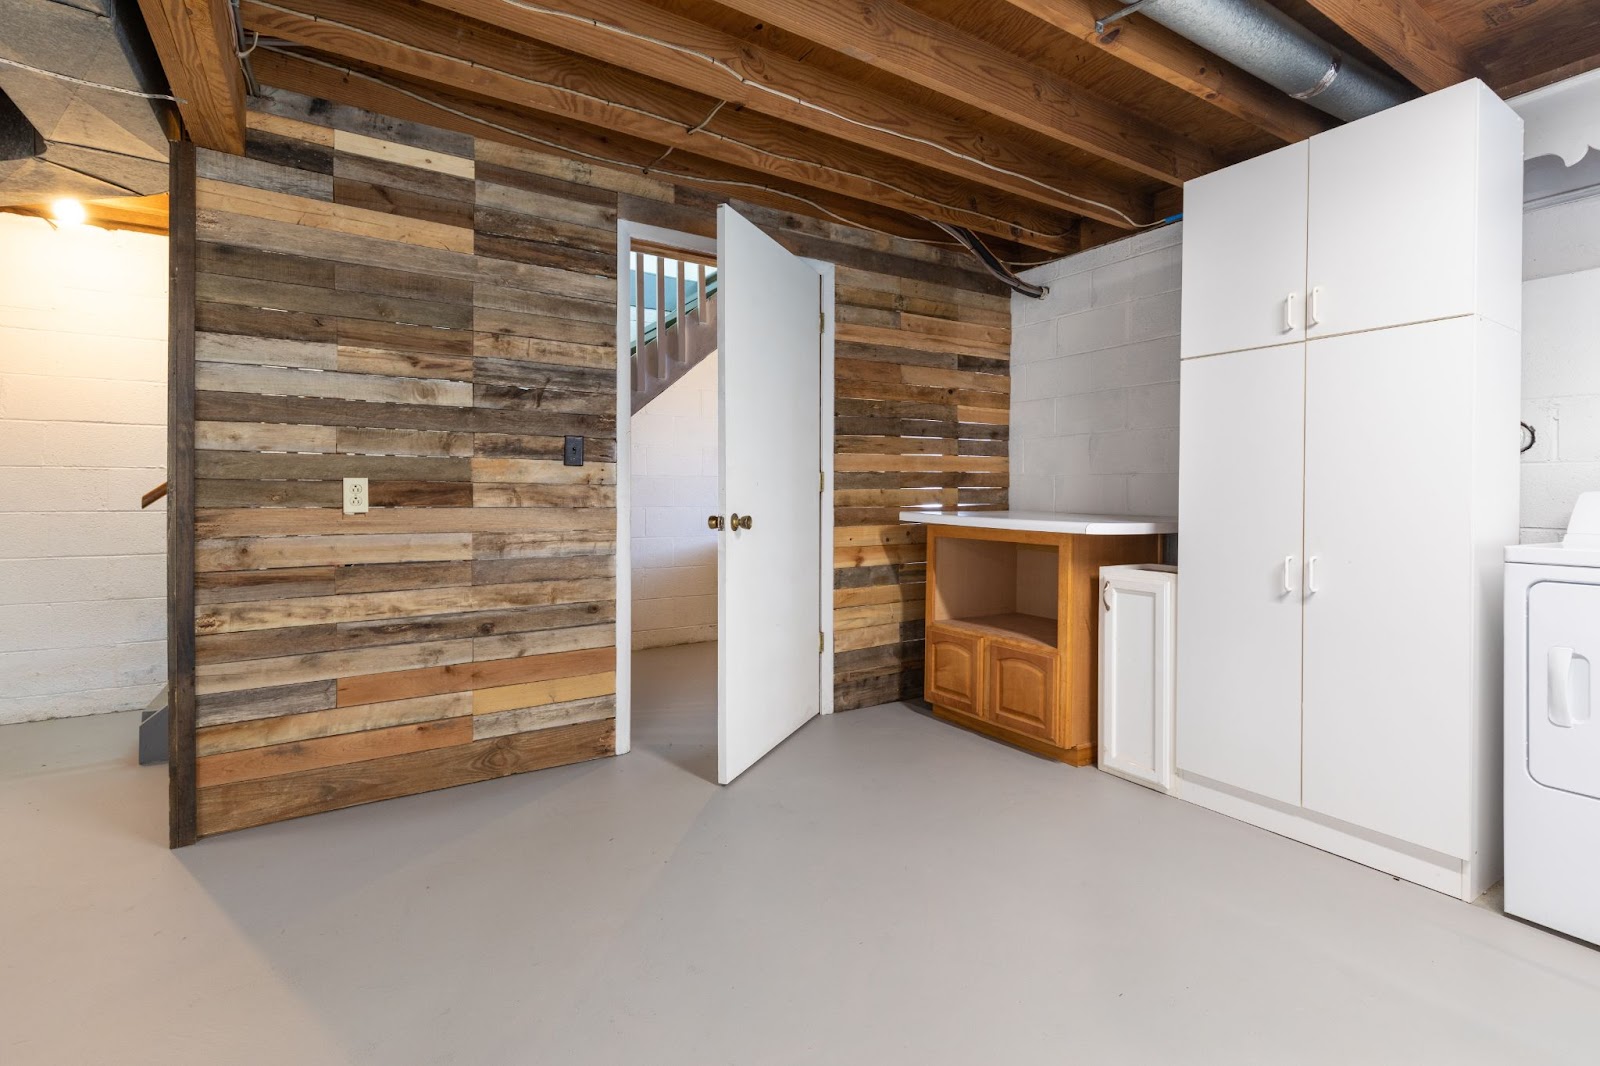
<point>822,481</point>
<point>820,644</point>
<point>822,321</point>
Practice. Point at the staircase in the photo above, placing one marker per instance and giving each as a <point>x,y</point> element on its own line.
<point>674,311</point>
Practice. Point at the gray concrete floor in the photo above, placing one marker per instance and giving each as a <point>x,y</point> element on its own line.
<point>882,889</point>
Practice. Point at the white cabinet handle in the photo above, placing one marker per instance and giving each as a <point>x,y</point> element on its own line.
<point>1288,574</point>
<point>1560,684</point>
<point>1311,575</point>
<point>1313,314</point>
<point>1288,313</point>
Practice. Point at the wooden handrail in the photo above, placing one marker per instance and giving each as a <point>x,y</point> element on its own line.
<point>153,495</point>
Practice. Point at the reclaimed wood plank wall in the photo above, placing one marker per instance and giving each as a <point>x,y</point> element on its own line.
<point>434,310</point>
<point>384,300</point>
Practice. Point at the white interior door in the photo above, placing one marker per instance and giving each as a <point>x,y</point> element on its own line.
<point>1239,506</point>
<point>769,624</point>
<point>1389,597</point>
<point>1244,255</point>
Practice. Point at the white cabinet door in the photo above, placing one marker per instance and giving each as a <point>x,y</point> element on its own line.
<point>1137,627</point>
<point>1393,232</point>
<point>1244,254</point>
<point>1389,683</point>
<point>1241,428</point>
<point>769,376</point>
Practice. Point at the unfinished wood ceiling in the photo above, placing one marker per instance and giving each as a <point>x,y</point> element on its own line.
<point>1014,119</point>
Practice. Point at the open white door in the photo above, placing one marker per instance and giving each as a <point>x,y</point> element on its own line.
<point>769,340</point>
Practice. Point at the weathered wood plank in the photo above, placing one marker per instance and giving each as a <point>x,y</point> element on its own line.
<point>253,764</point>
<point>223,808</point>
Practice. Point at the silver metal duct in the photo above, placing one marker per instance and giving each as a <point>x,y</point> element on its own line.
<point>1264,41</point>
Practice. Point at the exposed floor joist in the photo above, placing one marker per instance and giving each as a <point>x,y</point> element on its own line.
<point>903,41</point>
<point>435,105</point>
<point>479,59</point>
<point>1020,121</point>
<point>1163,54</point>
<point>680,51</point>
<point>1404,36</point>
<point>196,42</point>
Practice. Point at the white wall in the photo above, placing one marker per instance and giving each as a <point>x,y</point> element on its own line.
<point>1094,381</point>
<point>83,315</point>
<point>1560,362</point>
<point>674,489</point>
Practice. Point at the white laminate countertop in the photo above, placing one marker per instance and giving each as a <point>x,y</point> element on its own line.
<point>1095,525</point>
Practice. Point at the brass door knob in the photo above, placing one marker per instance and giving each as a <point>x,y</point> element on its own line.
<point>738,521</point>
<point>714,521</point>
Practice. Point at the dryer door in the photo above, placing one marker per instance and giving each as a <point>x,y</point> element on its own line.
<point>1563,649</point>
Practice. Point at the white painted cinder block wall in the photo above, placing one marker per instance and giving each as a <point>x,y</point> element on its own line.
<point>674,486</point>
<point>1094,388</point>
<point>1094,380</point>
<point>83,370</point>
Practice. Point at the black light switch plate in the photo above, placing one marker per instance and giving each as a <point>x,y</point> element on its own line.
<point>574,452</point>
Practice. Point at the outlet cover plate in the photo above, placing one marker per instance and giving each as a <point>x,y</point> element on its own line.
<point>572,454</point>
<point>355,495</point>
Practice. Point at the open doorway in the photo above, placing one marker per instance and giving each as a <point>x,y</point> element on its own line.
<point>673,485</point>
<point>725,446</point>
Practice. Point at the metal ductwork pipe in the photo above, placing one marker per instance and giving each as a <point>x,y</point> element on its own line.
<point>1259,38</point>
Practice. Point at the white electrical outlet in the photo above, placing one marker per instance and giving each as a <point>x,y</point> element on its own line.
<point>355,495</point>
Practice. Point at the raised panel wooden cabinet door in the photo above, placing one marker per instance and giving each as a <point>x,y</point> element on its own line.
<point>952,670</point>
<point>1021,689</point>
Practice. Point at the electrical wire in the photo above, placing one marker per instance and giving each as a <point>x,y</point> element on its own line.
<point>731,71</point>
<point>993,264</point>
<point>30,68</point>
<point>1004,225</point>
<point>580,153</point>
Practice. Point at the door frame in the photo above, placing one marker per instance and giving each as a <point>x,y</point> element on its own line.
<point>627,233</point>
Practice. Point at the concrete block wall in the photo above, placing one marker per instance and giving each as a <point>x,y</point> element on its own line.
<point>1094,380</point>
<point>83,369</point>
<point>1560,362</point>
<point>674,488</point>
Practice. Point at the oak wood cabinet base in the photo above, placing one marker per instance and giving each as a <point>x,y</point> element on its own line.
<point>1080,755</point>
<point>1012,646</point>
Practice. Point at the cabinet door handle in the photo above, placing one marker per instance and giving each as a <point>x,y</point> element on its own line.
<point>1288,574</point>
<point>1288,313</point>
<point>1105,595</point>
<point>1313,311</point>
<point>1311,575</point>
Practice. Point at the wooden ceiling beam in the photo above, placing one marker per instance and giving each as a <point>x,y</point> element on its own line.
<point>1163,54</point>
<point>921,49</point>
<point>384,93</point>
<point>1404,36</point>
<point>680,51</point>
<point>479,59</point>
<point>196,43</point>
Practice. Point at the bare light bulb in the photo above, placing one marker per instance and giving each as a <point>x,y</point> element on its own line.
<point>69,212</point>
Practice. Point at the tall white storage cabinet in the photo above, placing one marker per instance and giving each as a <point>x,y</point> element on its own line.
<point>1347,482</point>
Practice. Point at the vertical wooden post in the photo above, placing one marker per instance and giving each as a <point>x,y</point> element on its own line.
<point>641,370</point>
<point>181,806</point>
<point>680,347</point>
<point>658,369</point>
